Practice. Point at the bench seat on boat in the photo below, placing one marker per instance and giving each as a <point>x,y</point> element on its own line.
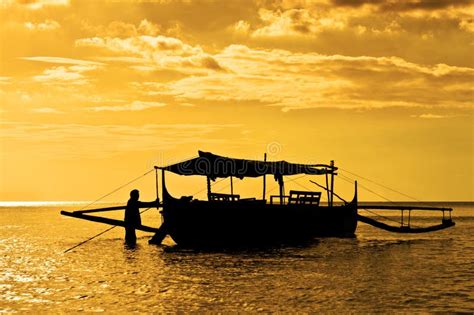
<point>304,197</point>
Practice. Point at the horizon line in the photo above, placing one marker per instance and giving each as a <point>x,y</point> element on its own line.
<point>19,203</point>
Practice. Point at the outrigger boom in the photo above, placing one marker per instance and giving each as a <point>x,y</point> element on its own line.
<point>405,226</point>
<point>79,214</point>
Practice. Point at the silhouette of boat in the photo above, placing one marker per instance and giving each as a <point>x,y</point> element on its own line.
<point>227,220</point>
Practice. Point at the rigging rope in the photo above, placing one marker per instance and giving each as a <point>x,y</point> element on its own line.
<point>378,184</point>
<point>117,189</point>
<point>287,181</point>
<point>350,180</point>
<point>98,234</point>
<point>212,184</point>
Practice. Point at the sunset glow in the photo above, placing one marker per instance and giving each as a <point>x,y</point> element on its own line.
<point>94,93</point>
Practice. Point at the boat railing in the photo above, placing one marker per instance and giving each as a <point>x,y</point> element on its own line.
<point>223,197</point>
<point>280,200</point>
<point>405,220</point>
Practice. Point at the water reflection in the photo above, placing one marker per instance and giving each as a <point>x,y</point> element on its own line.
<point>375,272</point>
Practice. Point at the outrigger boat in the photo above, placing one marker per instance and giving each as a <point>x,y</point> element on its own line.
<point>227,220</point>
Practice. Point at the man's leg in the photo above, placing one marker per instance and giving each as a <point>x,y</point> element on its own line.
<point>130,236</point>
<point>159,235</point>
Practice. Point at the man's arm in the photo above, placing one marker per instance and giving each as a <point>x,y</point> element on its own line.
<point>148,204</point>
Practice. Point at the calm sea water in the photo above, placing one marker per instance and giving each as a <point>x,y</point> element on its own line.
<point>375,272</point>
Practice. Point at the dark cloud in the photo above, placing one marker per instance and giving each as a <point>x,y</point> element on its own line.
<point>211,63</point>
<point>404,5</point>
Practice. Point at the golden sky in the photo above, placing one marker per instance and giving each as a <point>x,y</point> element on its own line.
<point>93,93</point>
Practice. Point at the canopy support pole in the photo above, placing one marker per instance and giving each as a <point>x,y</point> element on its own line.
<point>327,187</point>
<point>332,182</point>
<point>282,189</point>
<point>208,188</point>
<point>156,184</point>
<point>264,178</point>
<point>231,187</point>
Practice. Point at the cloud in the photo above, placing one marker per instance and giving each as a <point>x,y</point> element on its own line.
<point>47,110</point>
<point>122,29</point>
<point>134,106</point>
<point>48,25</point>
<point>241,27</point>
<point>122,59</point>
<point>84,140</point>
<point>306,19</point>
<point>299,22</point>
<point>34,4</point>
<point>430,116</point>
<point>65,75</point>
<point>5,80</point>
<point>309,80</point>
<point>467,25</point>
<point>404,5</point>
<point>61,60</point>
<point>161,51</point>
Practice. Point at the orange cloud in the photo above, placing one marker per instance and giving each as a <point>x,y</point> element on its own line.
<point>294,81</point>
<point>161,51</point>
<point>34,4</point>
<point>47,25</point>
<point>74,140</point>
<point>134,106</point>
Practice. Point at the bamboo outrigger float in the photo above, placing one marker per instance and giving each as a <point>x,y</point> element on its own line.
<point>225,220</point>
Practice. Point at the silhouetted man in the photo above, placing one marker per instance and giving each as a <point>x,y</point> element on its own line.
<point>132,215</point>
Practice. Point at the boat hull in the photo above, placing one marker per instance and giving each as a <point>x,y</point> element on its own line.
<point>194,223</point>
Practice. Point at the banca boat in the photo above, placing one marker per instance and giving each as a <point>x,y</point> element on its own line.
<point>227,220</point>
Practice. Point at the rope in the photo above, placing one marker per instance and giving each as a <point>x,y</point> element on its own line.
<point>321,186</point>
<point>287,181</point>
<point>212,184</point>
<point>99,234</point>
<point>117,189</point>
<point>222,188</point>
<point>382,216</point>
<point>379,215</point>
<point>350,180</point>
<point>378,184</point>
<point>390,219</point>
<point>301,185</point>
<point>181,160</point>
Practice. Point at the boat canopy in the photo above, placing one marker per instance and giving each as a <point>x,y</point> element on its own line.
<point>213,166</point>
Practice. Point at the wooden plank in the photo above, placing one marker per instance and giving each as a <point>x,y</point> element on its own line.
<point>107,221</point>
<point>101,209</point>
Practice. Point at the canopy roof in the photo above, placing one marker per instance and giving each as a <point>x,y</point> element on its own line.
<point>213,166</point>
